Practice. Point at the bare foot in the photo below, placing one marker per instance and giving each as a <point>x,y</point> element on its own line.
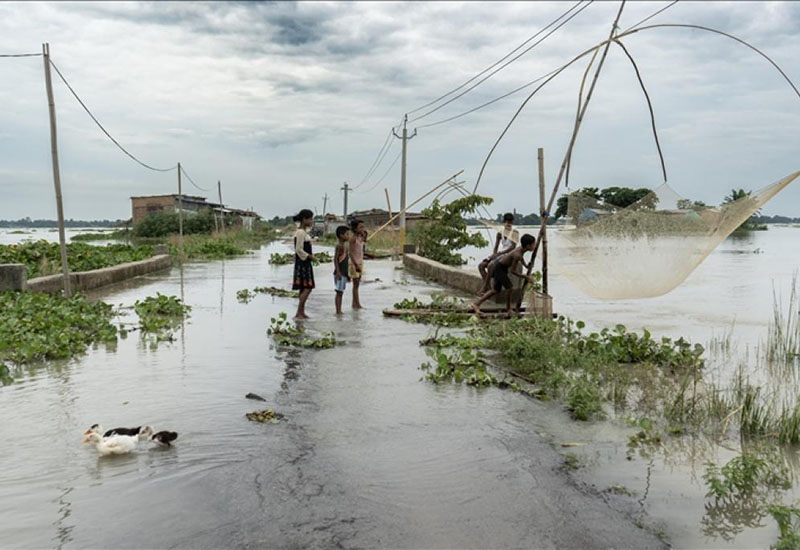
<point>338,313</point>
<point>300,317</point>
<point>476,309</point>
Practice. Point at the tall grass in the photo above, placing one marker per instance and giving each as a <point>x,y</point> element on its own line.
<point>783,336</point>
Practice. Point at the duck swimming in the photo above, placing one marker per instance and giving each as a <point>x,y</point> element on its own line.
<point>96,428</point>
<point>164,438</point>
<point>114,445</point>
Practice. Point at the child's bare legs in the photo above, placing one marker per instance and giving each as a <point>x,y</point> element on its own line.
<point>487,281</point>
<point>476,306</point>
<point>508,301</point>
<point>301,305</point>
<point>356,301</point>
<point>338,302</point>
<point>482,269</point>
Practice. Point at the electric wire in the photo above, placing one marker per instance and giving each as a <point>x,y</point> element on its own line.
<point>497,62</point>
<point>385,173</point>
<point>377,161</point>
<point>506,64</point>
<point>20,54</point>
<point>532,82</point>
<point>183,171</point>
<point>85,108</point>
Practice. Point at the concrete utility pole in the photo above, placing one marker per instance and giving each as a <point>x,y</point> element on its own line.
<point>325,205</point>
<point>62,238</point>
<point>346,190</point>
<point>405,137</point>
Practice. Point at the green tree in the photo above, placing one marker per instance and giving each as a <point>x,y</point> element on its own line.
<point>750,223</point>
<point>445,232</point>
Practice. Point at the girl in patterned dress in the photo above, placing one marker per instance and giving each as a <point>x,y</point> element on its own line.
<point>303,271</point>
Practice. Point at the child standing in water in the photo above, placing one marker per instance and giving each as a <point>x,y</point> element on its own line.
<point>357,243</point>
<point>341,265</point>
<point>303,271</point>
<point>504,265</point>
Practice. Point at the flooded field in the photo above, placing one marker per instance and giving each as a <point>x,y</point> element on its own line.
<point>369,454</point>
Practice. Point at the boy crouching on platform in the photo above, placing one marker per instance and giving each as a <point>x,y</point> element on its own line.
<point>341,259</point>
<point>503,266</point>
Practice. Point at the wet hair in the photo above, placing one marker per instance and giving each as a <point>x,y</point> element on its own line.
<point>527,240</point>
<point>508,217</point>
<point>341,230</point>
<point>304,214</point>
<point>354,224</point>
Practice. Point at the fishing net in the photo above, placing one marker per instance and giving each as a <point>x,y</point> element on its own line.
<point>650,247</point>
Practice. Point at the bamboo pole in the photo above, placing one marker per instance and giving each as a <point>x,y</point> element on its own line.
<point>394,233</point>
<point>62,238</point>
<point>403,211</point>
<point>221,207</point>
<point>180,209</point>
<point>543,215</point>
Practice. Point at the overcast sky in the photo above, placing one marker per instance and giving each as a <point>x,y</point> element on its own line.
<point>284,102</point>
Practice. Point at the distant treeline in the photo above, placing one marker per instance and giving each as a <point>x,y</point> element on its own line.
<point>27,222</point>
<point>533,219</point>
<point>774,219</point>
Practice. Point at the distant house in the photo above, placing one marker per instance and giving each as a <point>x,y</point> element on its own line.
<point>189,204</point>
<point>377,217</point>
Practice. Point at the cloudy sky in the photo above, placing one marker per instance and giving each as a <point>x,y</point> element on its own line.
<point>283,102</point>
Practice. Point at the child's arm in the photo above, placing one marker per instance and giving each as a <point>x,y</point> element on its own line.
<point>496,244</point>
<point>336,253</point>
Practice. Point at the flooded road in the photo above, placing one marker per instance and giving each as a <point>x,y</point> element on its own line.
<point>369,454</point>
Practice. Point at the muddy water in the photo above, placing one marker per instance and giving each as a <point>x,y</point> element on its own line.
<point>728,299</point>
<point>369,454</point>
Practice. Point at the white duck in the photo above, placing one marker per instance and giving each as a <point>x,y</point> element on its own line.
<point>116,444</point>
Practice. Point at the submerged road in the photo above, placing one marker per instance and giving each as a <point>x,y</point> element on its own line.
<point>370,456</point>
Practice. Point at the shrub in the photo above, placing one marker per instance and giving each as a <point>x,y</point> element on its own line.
<point>445,232</point>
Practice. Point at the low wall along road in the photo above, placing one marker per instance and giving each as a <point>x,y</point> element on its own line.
<point>12,276</point>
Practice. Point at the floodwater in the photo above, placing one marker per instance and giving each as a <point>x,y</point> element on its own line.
<point>18,235</point>
<point>369,454</point>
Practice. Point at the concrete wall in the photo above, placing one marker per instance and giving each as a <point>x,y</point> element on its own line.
<point>87,280</point>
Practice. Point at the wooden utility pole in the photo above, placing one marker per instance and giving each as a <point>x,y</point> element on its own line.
<point>180,205</point>
<point>62,238</point>
<point>543,215</point>
<point>324,205</point>
<point>221,207</point>
<point>346,190</point>
<point>405,137</point>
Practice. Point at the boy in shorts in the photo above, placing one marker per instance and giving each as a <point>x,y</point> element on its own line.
<point>505,241</point>
<point>340,265</point>
<point>503,266</point>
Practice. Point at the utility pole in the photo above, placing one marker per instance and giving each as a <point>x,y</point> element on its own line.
<point>221,207</point>
<point>346,190</point>
<point>405,137</point>
<point>324,205</point>
<point>62,239</point>
<point>180,205</point>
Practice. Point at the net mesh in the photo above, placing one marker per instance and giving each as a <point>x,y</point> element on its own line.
<point>650,247</point>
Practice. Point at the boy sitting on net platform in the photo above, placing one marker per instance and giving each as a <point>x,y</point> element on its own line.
<point>505,265</point>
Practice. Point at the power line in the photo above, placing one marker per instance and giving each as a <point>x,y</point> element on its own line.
<point>504,65</point>
<point>183,171</point>
<point>649,17</point>
<point>377,160</point>
<point>385,173</point>
<point>20,55</point>
<point>532,82</point>
<point>85,108</point>
<point>497,62</point>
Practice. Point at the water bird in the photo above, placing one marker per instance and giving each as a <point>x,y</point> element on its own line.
<point>114,445</point>
<point>96,428</point>
<point>164,438</point>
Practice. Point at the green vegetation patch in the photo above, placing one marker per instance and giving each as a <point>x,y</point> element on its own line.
<point>445,231</point>
<point>267,416</point>
<point>287,333</point>
<point>43,258</point>
<point>160,313</point>
<point>37,326</point>
<point>245,295</point>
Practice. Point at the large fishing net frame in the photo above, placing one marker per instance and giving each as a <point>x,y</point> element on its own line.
<point>652,246</point>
